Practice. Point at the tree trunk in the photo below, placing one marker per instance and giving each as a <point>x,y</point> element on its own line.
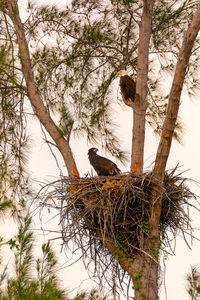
<point>140,104</point>
<point>153,242</point>
<point>144,266</point>
<point>170,122</point>
<point>40,110</point>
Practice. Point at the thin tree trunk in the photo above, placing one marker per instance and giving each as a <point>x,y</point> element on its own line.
<point>170,120</point>
<point>140,104</point>
<point>152,244</point>
<point>40,110</point>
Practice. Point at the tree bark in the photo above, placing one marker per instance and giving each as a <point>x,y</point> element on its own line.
<point>140,104</point>
<point>11,9</point>
<point>174,97</point>
<point>144,267</point>
<point>145,283</point>
<point>155,201</point>
<point>170,119</point>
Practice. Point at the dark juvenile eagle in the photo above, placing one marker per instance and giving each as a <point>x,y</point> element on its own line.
<point>103,166</point>
<point>127,87</point>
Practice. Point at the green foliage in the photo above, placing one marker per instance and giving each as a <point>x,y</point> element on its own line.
<point>24,285</point>
<point>5,205</point>
<point>144,296</point>
<point>19,288</point>
<point>193,283</point>
<point>13,244</point>
<point>93,41</point>
<point>122,248</point>
<point>35,280</point>
<point>13,138</point>
<point>46,274</point>
<point>76,53</point>
<point>166,22</point>
<point>92,295</point>
<point>137,283</point>
<point>80,75</point>
<point>145,227</point>
<point>2,2</point>
<point>66,122</point>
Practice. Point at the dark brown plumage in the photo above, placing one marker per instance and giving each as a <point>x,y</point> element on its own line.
<point>103,166</point>
<point>127,87</point>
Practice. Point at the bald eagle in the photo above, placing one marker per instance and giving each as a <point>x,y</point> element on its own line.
<point>127,87</point>
<point>103,166</point>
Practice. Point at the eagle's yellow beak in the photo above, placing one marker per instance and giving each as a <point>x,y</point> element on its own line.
<point>119,73</point>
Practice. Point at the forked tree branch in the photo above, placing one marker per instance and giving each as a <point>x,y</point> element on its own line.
<point>11,9</point>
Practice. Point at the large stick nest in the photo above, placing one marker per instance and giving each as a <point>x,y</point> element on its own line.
<point>118,207</point>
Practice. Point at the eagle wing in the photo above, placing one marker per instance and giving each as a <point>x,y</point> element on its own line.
<point>128,88</point>
<point>103,166</point>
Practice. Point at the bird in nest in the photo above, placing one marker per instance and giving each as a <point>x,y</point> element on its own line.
<point>127,87</point>
<point>102,165</point>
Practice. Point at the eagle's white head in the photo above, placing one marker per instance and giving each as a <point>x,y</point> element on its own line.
<point>122,73</point>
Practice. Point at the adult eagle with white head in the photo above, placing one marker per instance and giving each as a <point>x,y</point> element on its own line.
<point>127,87</point>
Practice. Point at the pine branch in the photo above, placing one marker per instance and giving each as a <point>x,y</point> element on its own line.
<point>36,101</point>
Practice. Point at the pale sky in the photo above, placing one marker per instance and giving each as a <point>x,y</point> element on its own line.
<point>187,155</point>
